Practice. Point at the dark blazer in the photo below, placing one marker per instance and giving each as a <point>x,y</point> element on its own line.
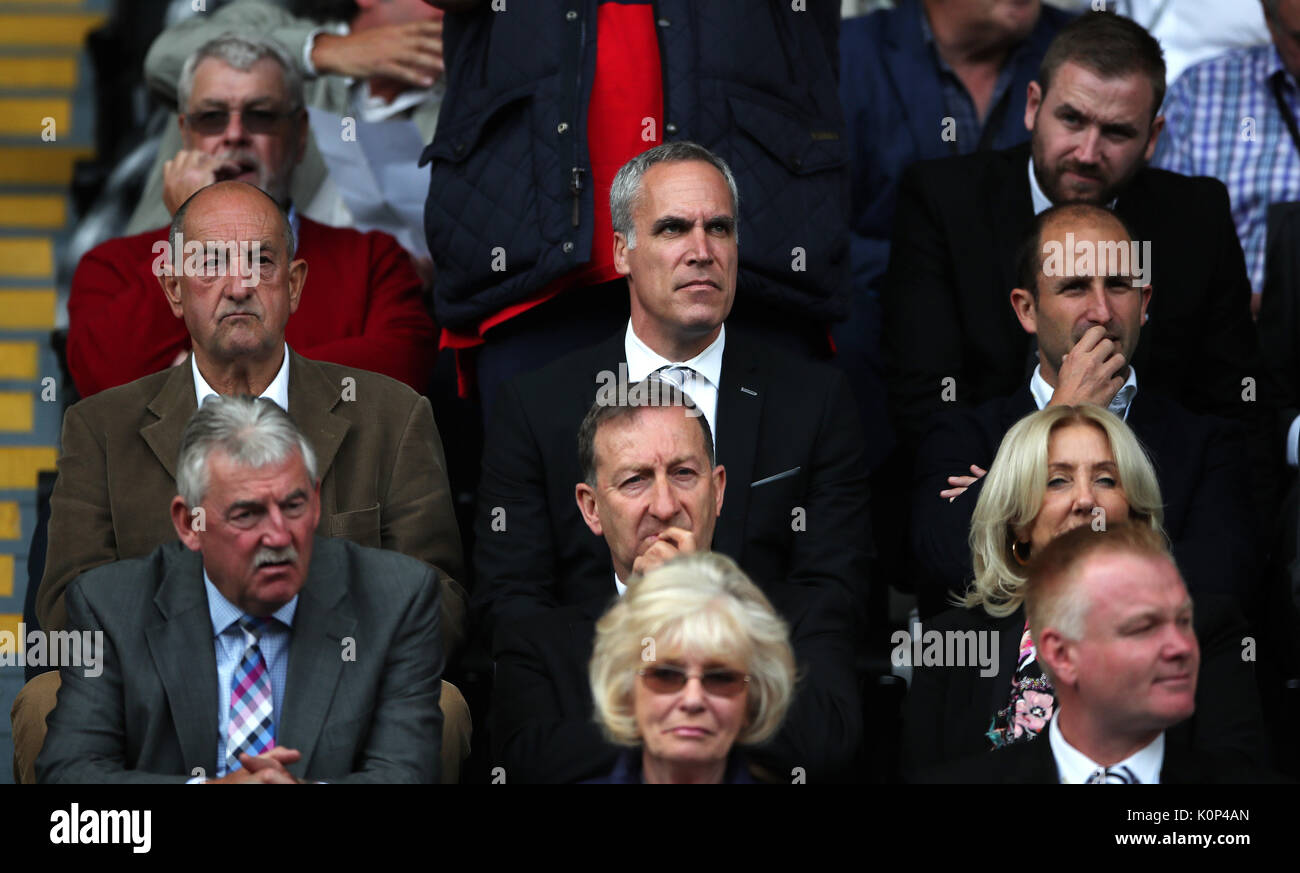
<point>892,92</point>
<point>949,709</point>
<point>542,715</point>
<point>151,715</point>
<point>788,434</point>
<point>1033,763</point>
<point>754,81</point>
<point>1200,464</point>
<point>383,477</point>
<point>946,295</point>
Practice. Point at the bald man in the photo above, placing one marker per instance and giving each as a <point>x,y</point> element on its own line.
<point>1087,314</point>
<point>383,477</point>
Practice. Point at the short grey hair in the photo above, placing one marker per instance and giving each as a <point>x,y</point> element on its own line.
<point>656,392</point>
<point>625,191</point>
<point>252,431</point>
<point>241,51</point>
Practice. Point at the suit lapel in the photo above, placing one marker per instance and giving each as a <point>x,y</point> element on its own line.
<point>1011,213</point>
<point>180,643</point>
<point>173,405</point>
<point>1134,205</point>
<point>312,398</point>
<point>323,618</point>
<point>991,693</point>
<point>740,409</point>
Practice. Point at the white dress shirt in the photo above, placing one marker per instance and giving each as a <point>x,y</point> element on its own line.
<point>1119,404</point>
<point>277,391</point>
<point>702,388</point>
<point>1074,767</point>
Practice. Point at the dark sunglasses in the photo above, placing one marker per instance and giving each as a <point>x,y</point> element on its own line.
<point>210,122</point>
<point>670,680</point>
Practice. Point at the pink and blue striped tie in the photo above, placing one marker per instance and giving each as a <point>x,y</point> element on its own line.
<point>252,729</point>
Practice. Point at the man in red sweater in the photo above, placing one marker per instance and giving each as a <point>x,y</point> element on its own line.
<point>242,117</point>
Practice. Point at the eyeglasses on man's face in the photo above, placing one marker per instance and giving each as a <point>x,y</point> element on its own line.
<point>258,120</point>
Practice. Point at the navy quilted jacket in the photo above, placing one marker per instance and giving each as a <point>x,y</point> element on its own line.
<point>754,80</point>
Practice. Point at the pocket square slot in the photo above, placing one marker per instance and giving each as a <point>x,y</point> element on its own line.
<point>786,475</point>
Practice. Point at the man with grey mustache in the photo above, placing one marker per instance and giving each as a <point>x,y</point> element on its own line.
<point>320,659</point>
<point>383,480</point>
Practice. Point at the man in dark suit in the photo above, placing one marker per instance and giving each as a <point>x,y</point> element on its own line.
<point>926,79</point>
<point>322,657</point>
<point>1112,624</point>
<point>651,491</point>
<point>786,430</point>
<point>1092,113</point>
<point>1087,322</point>
<point>383,478</point>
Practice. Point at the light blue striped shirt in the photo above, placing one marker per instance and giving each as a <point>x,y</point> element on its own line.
<point>229,641</point>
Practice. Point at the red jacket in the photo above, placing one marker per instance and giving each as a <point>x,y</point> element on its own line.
<point>361,307</point>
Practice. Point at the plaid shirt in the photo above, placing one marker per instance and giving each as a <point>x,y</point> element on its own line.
<point>1223,121</point>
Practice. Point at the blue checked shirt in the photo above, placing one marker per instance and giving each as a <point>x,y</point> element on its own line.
<point>1223,121</point>
<point>228,639</point>
<point>957,101</point>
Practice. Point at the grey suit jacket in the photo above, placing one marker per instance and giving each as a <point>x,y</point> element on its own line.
<point>152,715</point>
<point>383,476</point>
<point>162,68</point>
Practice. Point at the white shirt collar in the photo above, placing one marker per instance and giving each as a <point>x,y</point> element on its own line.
<point>619,585</point>
<point>277,391</point>
<point>642,360</point>
<point>1042,202</point>
<point>374,109</point>
<point>1119,404</point>
<point>1074,767</point>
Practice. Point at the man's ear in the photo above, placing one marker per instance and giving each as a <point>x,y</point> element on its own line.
<point>1058,654</point>
<point>297,281</point>
<point>187,524</point>
<point>171,288</point>
<point>1157,125</point>
<point>1147,291</point>
<point>620,254</point>
<point>1026,309</point>
<point>1033,100</point>
<point>719,487</point>
<point>585,496</point>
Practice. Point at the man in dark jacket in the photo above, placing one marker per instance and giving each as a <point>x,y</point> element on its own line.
<point>536,122</point>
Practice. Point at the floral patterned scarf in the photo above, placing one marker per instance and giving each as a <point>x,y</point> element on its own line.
<point>1032,700</point>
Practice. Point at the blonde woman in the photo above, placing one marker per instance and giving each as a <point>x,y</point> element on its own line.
<point>691,662</point>
<point>1057,469</point>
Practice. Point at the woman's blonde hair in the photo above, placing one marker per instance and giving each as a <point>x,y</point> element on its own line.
<point>700,604</point>
<point>1013,494</point>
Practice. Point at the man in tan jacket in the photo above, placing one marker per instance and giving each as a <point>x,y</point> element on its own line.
<point>384,481</point>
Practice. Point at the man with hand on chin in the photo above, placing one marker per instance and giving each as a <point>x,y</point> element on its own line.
<point>1087,323</point>
<point>651,491</point>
